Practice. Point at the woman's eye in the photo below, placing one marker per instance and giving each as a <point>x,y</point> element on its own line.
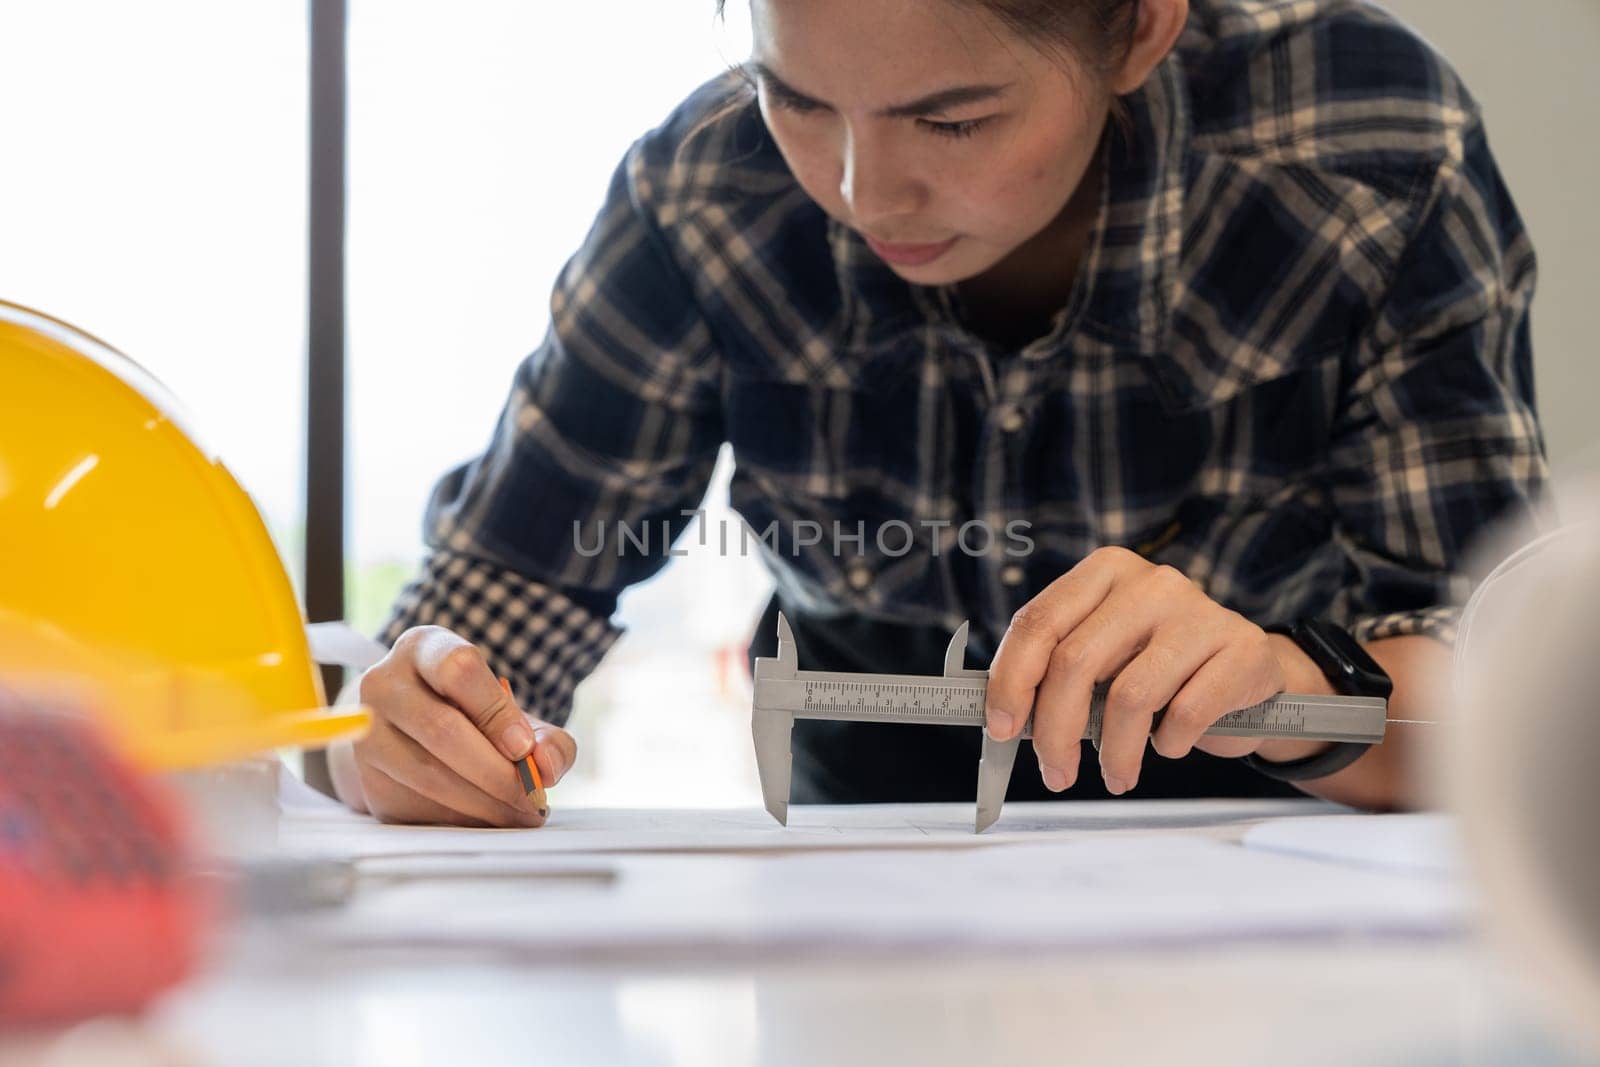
<point>795,103</point>
<point>964,128</point>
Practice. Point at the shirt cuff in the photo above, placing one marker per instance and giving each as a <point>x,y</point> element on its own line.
<point>1439,623</point>
<point>532,634</point>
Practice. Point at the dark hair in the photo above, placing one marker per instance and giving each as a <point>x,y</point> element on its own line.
<point>1098,32</point>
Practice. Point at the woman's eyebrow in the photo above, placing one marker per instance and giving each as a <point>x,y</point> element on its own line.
<point>932,104</point>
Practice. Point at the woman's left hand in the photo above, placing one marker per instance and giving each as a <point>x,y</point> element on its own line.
<point>1159,639</point>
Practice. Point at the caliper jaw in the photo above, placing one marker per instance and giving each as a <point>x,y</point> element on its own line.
<point>772,729</point>
<point>994,768</point>
<point>773,760</point>
<point>994,775</point>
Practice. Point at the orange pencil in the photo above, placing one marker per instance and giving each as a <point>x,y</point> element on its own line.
<point>527,770</point>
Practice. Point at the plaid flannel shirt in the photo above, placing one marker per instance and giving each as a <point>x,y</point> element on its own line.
<point>1295,366</point>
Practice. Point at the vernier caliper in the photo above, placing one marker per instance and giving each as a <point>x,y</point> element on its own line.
<point>784,693</point>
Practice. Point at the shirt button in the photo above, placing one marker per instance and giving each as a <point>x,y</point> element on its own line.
<point>1012,419</point>
<point>1012,574</point>
<point>859,576</point>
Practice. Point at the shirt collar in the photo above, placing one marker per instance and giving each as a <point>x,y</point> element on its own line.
<point>1138,238</point>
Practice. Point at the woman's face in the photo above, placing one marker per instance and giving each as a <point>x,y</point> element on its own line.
<point>925,125</point>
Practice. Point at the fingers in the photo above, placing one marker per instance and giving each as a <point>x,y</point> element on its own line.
<point>1141,689</point>
<point>554,751</point>
<point>1228,747</point>
<point>426,778</point>
<point>429,758</point>
<point>453,668</point>
<point>1026,650</point>
<point>1096,650</point>
<point>444,733</point>
<point>389,801</point>
<point>1239,675</point>
<point>1160,639</point>
<point>1061,708</point>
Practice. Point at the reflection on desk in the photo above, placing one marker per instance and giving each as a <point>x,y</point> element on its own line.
<point>1127,932</point>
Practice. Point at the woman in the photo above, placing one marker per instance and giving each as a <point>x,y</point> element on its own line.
<point>1127,332</point>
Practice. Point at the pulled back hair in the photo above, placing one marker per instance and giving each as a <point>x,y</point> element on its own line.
<point>1097,32</point>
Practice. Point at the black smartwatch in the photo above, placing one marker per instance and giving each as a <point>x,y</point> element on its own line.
<point>1352,672</point>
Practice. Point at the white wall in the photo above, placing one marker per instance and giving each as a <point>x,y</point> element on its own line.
<point>1535,67</point>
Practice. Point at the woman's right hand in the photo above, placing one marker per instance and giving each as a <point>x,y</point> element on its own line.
<point>444,739</point>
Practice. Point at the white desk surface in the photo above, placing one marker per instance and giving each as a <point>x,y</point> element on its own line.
<point>1339,1000</point>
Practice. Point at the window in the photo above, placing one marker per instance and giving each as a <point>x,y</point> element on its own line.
<point>154,196</point>
<point>482,139</point>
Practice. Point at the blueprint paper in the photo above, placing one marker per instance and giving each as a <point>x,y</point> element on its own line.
<point>1121,891</point>
<point>1423,844</point>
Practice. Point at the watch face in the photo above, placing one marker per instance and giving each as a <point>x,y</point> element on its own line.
<point>1342,658</point>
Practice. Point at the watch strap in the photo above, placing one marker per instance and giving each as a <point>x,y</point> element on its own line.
<point>1323,642</point>
<point>1336,757</point>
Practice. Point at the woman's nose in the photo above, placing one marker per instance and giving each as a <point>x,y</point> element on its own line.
<point>875,186</point>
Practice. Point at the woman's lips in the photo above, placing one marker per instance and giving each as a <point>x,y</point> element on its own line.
<point>908,255</point>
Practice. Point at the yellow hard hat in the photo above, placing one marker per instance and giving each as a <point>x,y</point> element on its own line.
<point>132,562</point>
